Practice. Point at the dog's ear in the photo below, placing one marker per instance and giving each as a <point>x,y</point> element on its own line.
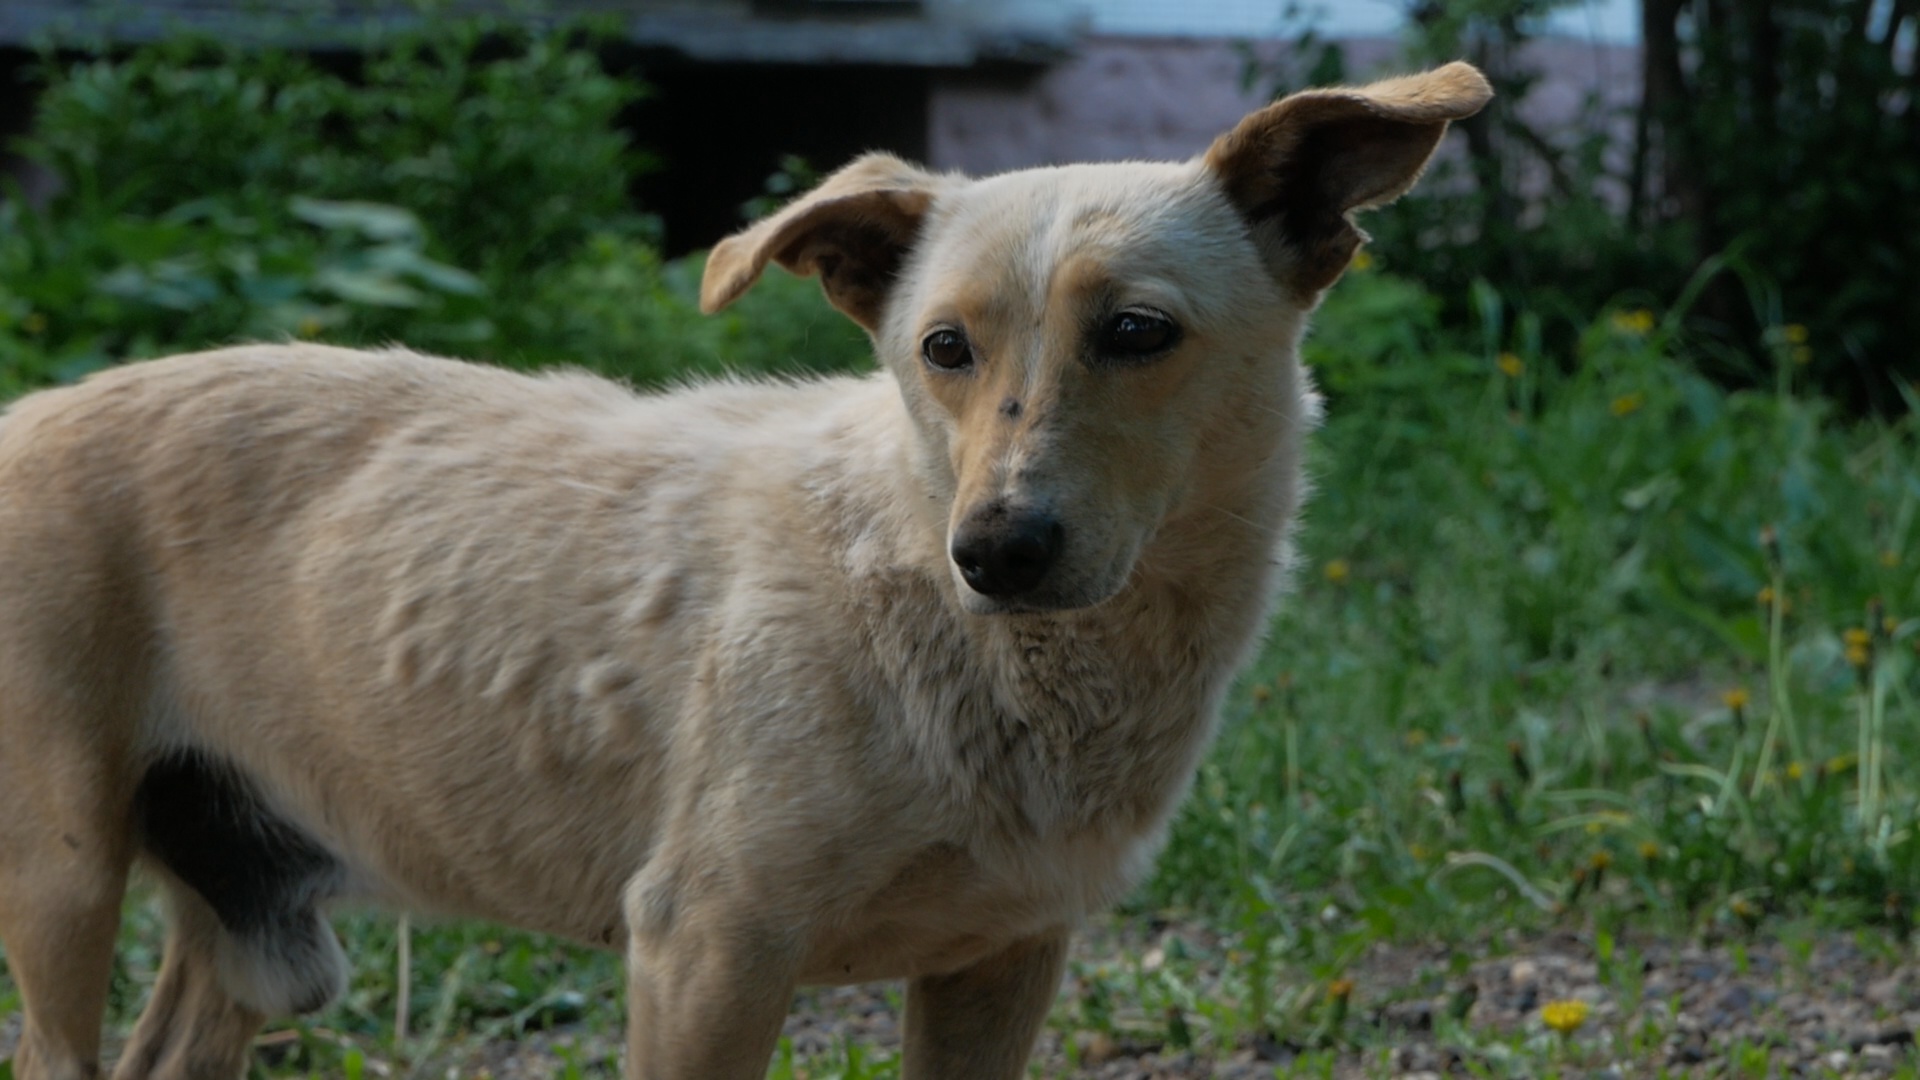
<point>1298,167</point>
<point>853,230</point>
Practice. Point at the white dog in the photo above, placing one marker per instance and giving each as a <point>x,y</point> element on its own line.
<point>765,684</point>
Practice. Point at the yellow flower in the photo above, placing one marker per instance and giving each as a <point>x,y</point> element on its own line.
<point>1744,909</point>
<point>1889,558</point>
<point>1638,322</point>
<point>1416,738</point>
<point>1511,366</point>
<point>1735,698</point>
<point>1340,989</point>
<point>1795,770</point>
<point>1795,333</point>
<point>1628,404</point>
<point>1601,860</point>
<point>1564,1016</point>
<point>1649,850</point>
<point>1338,571</point>
<point>1418,852</point>
<point>1262,693</point>
<point>309,327</point>
<point>34,323</point>
<point>1361,260</point>
<point>1839,764</point>
<point>1859,642</point>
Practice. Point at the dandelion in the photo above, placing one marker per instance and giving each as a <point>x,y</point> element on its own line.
<point>34,324</point>
<point>1795,770</point>
<point>1511,366</point>
<point>1628,404</point>
<point>1416,739</point>
<point>1795,333</point>
<point>1859,647</point>
<point>1362,261</point>
<point>1339,991</point>
<point>1638,322</point>
<point>309,327</point>
<point>1338,571</point>
<point>1262,693</point>
<point>1735,700</point>
<point>1889,558</point>
<point>1841,763</point>
<point>1565,1016</point>
<point>1649,850</point>
<point>1744,909</point>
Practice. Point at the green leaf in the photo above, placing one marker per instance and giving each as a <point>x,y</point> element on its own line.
<point>365,287</point>
<point>375,221</point>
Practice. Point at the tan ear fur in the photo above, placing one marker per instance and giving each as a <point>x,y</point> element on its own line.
<point>852,230</point>
<point>1298,167</point>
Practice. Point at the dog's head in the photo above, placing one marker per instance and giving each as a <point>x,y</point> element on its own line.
<point>1093,351</point>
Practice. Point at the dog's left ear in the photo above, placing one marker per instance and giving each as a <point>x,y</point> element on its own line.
<point>853,230</point>
<point>1298,167</point>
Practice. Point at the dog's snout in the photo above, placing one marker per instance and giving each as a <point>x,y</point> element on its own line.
<point>1003,552</point>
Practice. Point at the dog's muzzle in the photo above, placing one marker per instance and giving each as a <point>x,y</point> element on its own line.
<point>1002,552</point>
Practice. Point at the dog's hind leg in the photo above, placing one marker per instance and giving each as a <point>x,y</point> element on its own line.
<point>257,877</point>
<point>192,1028</point>
<point>65,848</point>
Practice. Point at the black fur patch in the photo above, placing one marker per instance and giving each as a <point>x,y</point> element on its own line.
<point>200,817</point>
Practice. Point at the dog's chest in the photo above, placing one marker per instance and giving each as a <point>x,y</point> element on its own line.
<point>946,907</point>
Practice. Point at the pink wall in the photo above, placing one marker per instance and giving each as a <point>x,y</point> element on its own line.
<point>1166,98</point>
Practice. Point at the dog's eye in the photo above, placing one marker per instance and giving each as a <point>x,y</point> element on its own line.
<point>1137,335</point>
<point>947,349</point>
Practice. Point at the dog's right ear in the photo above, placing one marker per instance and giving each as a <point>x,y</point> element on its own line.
<point>853,230</point>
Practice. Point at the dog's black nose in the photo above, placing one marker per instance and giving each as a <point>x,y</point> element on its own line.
<point>1002,552</point>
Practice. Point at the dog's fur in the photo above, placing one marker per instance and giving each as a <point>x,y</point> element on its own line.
<point>709,676</point>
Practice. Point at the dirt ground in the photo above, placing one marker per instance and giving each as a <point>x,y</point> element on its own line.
<point>1822,1006</point>
<point>1825,1007</point>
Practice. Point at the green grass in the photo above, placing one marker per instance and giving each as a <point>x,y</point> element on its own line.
<point>1498,701</point>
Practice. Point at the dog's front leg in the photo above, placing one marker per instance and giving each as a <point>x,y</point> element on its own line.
<point>979,1023</point>
<point>707,990</point>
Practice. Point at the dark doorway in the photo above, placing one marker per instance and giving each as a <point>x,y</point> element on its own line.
<point>720,130</point>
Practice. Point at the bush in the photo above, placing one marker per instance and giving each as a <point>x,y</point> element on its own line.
<point>464,192</point>
<point>1774,155</point>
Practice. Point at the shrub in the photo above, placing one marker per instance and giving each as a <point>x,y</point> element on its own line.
<point>463,191</point>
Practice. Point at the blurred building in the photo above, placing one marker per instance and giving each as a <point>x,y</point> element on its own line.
<point>975,85</point>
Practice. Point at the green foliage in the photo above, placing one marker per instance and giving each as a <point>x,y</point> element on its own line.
<point>1778,140</point>
<point>464,192</point>
<point>1499,687</point>
<point>506,146</point>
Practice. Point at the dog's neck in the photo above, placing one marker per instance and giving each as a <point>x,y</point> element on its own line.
<point>1096,715</point>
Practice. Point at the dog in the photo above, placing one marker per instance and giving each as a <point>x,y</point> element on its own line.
<point>766,684</point>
